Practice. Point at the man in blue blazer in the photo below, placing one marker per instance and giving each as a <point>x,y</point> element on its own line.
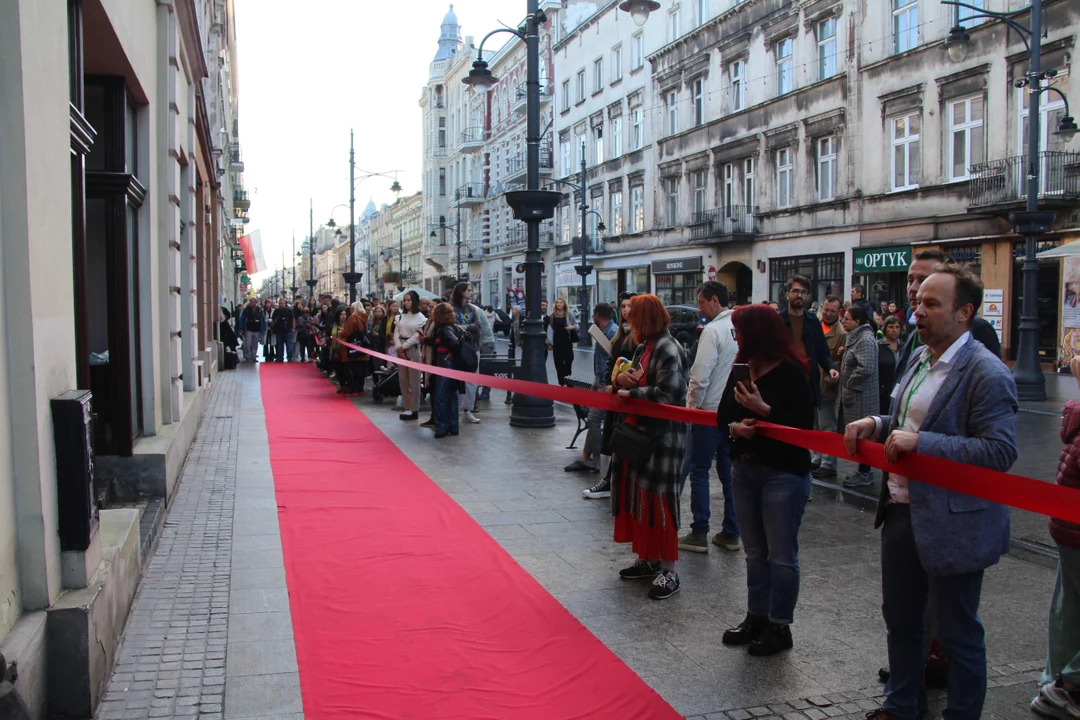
<point>956,400</point>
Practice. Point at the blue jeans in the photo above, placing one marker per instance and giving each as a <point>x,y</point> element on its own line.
<point>905,588</point>
<point>769,504</point>
<point>708,444</point>
<point>285,346</point>
<point>445,408</point>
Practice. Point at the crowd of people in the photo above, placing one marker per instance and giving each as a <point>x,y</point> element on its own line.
<point>927,378</point>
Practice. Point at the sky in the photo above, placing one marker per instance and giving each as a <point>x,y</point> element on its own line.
<point>309,72</point>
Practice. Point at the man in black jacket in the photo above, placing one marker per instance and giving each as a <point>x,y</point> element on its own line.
<point>809,339</point>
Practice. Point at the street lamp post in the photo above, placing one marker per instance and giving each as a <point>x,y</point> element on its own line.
<point>294,287</point>
<point>1030,382</point>
<point>311,248</point>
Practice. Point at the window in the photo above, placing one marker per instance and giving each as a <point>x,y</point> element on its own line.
<point>637,51</point>
<point>672,205</point>
<point>638,131</point>
<point>905,25</point>
<point>785,178</point>
<point>565,212</point>
<point>580,151</point>
<point>616,64</point>
<point>615,223</point>
<point>637,208</point>
<point>736,73</point>
<point>565,167</point>
<point>598,144</point>
<point>674,29</point>
<point>728,199</point>
<point>699,193</point>
<point>699,102</point>
<point>965,136</point>
<point>905,152</point>
<point>442,181</point>
<point>616,137</point>
<point>581,86</point>
<point>784,69</point>
<point>964,15</point>
<point>826,168</point>
<point>565,94</point>
<point>598,75</point>
<point>673,112</point>
<point>442,132</point>
<point>826,44</point>
<point>749,194</point>
<point>702,11</point>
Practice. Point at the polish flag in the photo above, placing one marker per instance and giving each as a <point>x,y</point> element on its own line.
<point>251,245</point>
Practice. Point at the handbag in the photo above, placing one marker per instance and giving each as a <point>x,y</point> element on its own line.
<point>632,443</point>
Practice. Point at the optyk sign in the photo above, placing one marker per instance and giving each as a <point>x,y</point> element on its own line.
<point>885,259</point>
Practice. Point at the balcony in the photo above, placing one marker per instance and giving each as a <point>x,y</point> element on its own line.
<point>517,166</point>
<point>469,194</point>
<point>473,139</point>
<point>516,239</point>
<point>1001,185</point>
<point>730,224</point>
<point>436,254</point>
<point>521,96</point>
<point>236,161</point>
<point>241,201</point>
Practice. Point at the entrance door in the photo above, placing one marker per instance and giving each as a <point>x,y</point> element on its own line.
<point>1048,305</point>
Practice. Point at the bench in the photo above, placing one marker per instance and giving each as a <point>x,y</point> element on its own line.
<point>580,411</point>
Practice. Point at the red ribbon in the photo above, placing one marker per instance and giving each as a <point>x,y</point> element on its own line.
<point>1013,490</point>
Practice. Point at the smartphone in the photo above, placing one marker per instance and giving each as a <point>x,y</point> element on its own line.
<point>637,357</point>
<point>741,374</point>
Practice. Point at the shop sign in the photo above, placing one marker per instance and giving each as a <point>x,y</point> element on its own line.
<point>886,259</point>
<point>679,265</point>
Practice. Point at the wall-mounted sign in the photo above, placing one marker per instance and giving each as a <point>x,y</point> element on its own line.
<point>884,259</point>
<point>993,296</point>
<point>710,274</point>
<point>992,309</point>
<point>679,265</point>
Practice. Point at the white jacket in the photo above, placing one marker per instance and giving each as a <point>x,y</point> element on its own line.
<point>405,331</point>
<point>715,355</point>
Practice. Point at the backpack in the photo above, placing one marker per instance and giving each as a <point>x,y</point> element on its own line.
<point>466,355</point>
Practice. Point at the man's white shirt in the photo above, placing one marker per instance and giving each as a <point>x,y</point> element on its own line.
<point>715,355</point>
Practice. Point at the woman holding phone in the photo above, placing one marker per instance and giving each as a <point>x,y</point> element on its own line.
<point>770,479</point>
<point>647,455</point>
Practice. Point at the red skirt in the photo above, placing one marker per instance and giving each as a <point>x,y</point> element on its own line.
<point>646,522</point>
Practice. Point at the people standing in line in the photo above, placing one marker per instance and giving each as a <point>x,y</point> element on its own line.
<point>824,466</point>
<point>770,478</point>
<point>487,349</point>
<point>956,400</point>
<point>337,350</point>
<point>858,299</point>
<point>1059,692</point>
<point>270,342</point>
<point>716,351</point>
<point>305,331</point>
<point>561,329</point>
<point>888,360</point>
<point>810,345</point>
<point>514,338</point>
<point>354,363</point>
<point>603,319</point>
<point>468,317</point>
<point>622,347</point>
<point>645,490</point>
<point>859,381</point>
<point>445,340</point>
<point>253,321</point>
<point>376,327</point>
<point>284,325</point>
<point>407,341</point>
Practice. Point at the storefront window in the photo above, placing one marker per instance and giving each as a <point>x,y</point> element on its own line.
<point>493,292</point>
<point>608,286</point>
<point>1048,301</point>
<point>826,273</point>
<point>678,289</point>
<point>637,280</point>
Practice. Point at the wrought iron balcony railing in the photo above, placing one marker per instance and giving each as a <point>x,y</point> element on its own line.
<point>1004,182</point>
<point>729,222</point>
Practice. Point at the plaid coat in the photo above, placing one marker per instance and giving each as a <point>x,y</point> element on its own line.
<point>859,375</point>
<point>662,473</point>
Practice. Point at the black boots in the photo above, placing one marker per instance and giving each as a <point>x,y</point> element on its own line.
<point>764,637</point>
<point>747,631</point>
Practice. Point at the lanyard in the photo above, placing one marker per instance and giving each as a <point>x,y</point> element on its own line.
<point>916,383</point>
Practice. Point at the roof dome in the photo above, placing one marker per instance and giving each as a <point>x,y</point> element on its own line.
<point>450,37</point>
<point>369,210</point>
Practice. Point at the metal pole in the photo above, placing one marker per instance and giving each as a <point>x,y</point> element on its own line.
<point>401,258</point>
<point>294,265</point>
<point>1030,383</point>
<point>530,411</point>
<point>311,247</point>
<point>352,218</point>
<point>584,340</point>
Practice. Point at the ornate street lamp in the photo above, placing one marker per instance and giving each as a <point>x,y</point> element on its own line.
<point>639,9</point>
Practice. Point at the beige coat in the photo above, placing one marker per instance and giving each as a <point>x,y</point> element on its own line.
<point>830,389</point>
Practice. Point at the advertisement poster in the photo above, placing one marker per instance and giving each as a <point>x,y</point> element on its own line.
<point>1070,310</point>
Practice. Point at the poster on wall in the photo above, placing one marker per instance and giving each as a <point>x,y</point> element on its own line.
<point>1070,311</point>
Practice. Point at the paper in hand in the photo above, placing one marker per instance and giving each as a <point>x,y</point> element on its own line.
<point>600,338</point>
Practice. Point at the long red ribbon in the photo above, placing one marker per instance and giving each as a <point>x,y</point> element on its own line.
<point>1014,490</point>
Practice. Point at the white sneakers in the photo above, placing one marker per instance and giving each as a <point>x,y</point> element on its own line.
<point>470,418</point>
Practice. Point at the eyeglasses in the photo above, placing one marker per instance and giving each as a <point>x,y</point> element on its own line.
<point>797,291</point>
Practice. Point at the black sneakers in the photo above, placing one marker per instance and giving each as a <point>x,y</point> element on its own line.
<point>664,586</point>
<point>601,489</point>
<point>640,569</point>
<point>747,631</point>
<point>775,638</point>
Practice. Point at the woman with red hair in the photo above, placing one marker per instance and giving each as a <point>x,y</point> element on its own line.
<point>647,454</point>
<point>770,479</point>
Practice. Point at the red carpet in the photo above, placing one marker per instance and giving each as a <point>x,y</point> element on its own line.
<point>404,607</point>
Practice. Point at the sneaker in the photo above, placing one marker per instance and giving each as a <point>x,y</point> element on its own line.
<point>728,542</point>
<point>664,586</point>
<point>858,479</point>
<point>430,422</point>
<point>470,418</point>
<point>815,463</point>
<point>409,416</point>
<point>824,473</point>
<point>600,490</point>
<point>640,569</point>
<point>1055,701</point>
<point>695,542</point>
<point>775,639</point>
<point>580,465</point>
<point>509,399</point>
<point>747,631</point>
